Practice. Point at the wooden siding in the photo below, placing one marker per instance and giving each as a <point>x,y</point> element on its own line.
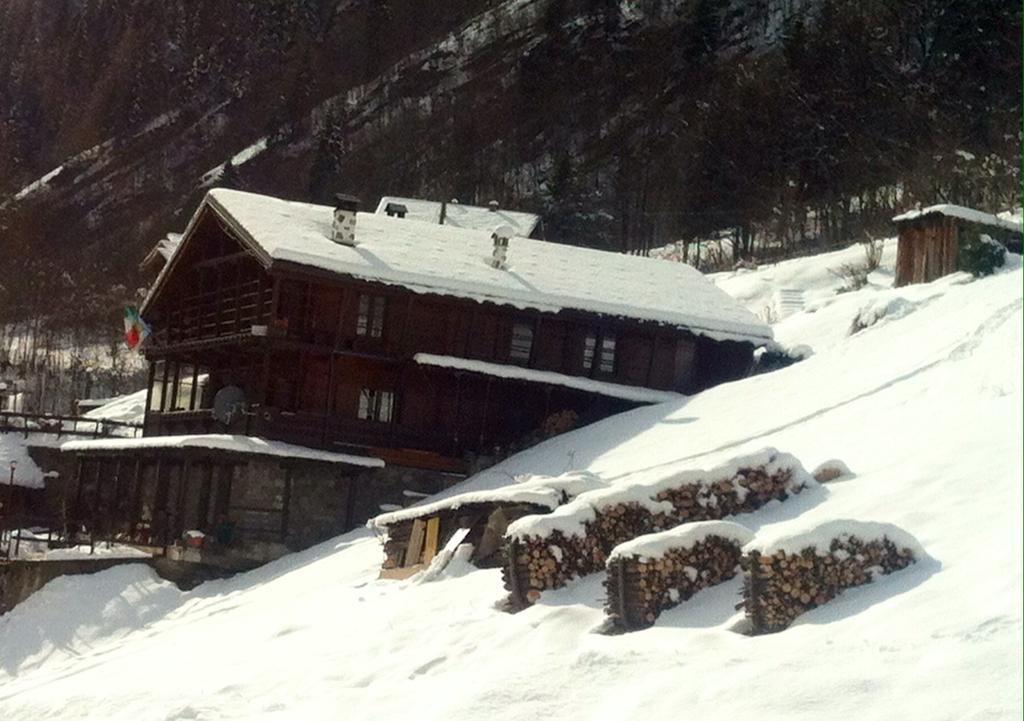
<point>927,250</point>
<point>313,355</point>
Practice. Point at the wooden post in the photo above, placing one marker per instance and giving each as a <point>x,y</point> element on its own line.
<point>483,417</point>
<point>115,502</point>
<point>163,392</point>
<point>619,568</point>
<point>754,593</point>
<point>328,400</point>
<point>286,502</point>
<point>650,362</point>
<point>195,386</point>
<point>136,505</point>
<point>515,591</point>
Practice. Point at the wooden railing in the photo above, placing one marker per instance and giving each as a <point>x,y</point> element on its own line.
<point>220,312</point>
<point>26,423</point>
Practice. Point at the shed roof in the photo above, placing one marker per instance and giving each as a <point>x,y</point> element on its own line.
<point>457,215</point>
<point>447,260</point>
<point>963,213</point>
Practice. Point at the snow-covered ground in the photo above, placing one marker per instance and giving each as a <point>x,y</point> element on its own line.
<point>924,405</point>
<point>26,472</point>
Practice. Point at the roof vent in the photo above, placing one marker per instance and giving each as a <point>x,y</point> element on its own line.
<point>343,229</point>
<point>395,210</point>
<point>493,206</point>
<point>499,253</point>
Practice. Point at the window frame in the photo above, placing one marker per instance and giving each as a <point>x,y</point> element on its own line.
<point>599,352</point>
<point>376,405</point>
<point>520,351</point>
<point>370,313</point>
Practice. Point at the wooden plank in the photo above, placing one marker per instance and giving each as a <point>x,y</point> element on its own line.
<point>430,545</point>
<point>398,574</point>
<point>415,548</point>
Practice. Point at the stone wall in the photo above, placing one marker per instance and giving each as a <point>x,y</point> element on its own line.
<point>20,579</point>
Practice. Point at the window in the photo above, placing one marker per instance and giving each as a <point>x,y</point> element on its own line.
<point>603,348</point>
<point>606,362</point>
<point>183,399</point>
<point>376,405</point>
<point>370,322</point>
<point>522,342</point>
<point>589,344</point>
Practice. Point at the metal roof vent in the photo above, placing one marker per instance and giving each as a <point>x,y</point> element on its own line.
<point>395,210</point>
<point>499,253</point>
<point>493,206</point>
<point>343,229</point>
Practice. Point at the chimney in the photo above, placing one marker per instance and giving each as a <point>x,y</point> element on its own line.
<point>499,253</point>
<point>493,206</point>
<point>343,229</point>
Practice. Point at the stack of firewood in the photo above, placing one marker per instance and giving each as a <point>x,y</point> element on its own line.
<point>533,567</point>
<point>640,589</point>
<point>778,587</point>
<point>696,502</point>
<point>541,563</point>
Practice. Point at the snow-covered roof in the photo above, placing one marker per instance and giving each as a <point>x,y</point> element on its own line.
<point>222,442</point>
<point>129,408</point>
<point>958,211</point>
<point>457,215</point>
<point>545,491</point>
<point>165,248</point>
<point>613,390</point>
<point>447,260</point>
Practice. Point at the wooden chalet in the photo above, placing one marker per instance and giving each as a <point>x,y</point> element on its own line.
<point>930,239</point>
<point>427,347</point>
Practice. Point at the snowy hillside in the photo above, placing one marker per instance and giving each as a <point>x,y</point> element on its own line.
<point>923,404</point>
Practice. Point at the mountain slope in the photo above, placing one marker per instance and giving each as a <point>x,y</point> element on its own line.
<point>627,124</point>
<point>924,406</point>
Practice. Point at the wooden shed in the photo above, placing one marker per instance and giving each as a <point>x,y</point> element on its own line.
<point>930,239</point>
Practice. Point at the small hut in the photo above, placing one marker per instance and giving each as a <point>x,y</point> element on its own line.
<point>930,239</point>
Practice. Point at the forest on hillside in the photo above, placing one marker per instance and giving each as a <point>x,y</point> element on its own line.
<point>788,126</point>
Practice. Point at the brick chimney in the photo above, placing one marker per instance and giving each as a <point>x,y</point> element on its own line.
<point>343,229</point>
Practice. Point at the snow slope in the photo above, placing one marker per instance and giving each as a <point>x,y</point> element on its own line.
<point>924,406</point>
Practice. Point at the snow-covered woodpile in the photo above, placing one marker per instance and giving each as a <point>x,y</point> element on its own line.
<point>787,576</point>
<point>655,572</point>
<point>576,539</point>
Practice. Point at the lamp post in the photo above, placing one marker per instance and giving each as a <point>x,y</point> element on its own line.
<point>10,504</point>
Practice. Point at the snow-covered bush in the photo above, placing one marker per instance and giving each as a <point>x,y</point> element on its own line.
<point>774,356</point>
<point>855,275</point>
<point>980,255</point>
<point>893,308</point>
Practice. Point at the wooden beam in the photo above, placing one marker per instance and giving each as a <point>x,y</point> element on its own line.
<point>221,260</point>
<point>286,502</point>
<point>431,538</point>
<point>415,547</point>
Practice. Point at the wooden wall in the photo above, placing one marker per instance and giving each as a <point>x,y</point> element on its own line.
<point>927,250</point>
<point>320,350</point>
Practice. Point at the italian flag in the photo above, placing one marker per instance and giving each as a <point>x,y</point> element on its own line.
<point>136,330</point>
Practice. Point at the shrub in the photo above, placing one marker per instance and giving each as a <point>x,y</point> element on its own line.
<point>980,255</point>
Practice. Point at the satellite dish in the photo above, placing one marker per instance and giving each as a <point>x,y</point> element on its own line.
<point>229,404</point>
